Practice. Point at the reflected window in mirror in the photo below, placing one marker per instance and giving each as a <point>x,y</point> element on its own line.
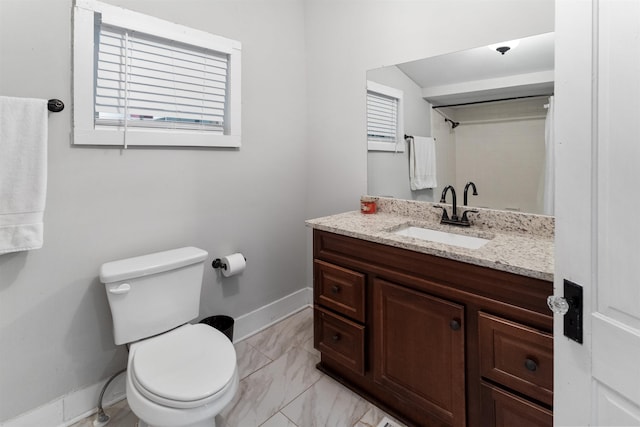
<point>385,124</point>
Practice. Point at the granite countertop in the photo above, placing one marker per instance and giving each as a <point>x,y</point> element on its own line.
<point>519,243</point>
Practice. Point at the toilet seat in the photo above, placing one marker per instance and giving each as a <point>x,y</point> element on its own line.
<point>183,368</point>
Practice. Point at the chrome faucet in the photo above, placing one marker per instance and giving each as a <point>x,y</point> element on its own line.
<point>454,220</point>
<point>466,188</point>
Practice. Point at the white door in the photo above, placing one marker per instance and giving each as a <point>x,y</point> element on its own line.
<point>598,209</point>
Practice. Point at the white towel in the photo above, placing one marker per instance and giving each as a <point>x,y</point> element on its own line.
<point>23,172</point>
<point>422,162</point>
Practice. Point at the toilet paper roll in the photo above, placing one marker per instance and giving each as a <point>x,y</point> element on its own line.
<point>235,264</point>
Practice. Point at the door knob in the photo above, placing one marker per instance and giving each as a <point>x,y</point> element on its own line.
<point>559,305</point>
<point>570,307</point>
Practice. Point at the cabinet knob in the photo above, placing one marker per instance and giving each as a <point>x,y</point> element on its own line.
<point>454,324</point>
<point>335,289</point>
<point>336,337</point>
<point>530,364</point>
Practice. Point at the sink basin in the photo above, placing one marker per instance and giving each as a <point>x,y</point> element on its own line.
<point>453,239</point>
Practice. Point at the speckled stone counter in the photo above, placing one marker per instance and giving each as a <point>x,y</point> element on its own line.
<point>519,243</point>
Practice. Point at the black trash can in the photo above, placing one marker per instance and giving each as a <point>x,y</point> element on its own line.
<point>222,323</point>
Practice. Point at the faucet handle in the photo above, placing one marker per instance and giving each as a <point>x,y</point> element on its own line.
<point>445,216</point>
<point>464,215</point>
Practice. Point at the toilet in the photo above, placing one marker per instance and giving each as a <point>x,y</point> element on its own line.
<point>178,374</point>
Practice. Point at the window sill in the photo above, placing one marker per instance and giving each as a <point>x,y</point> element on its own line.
<point>386,146</point>
<point>152,137</point>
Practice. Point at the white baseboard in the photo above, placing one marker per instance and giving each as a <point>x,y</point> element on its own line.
<point>84,402</point>
<point>265,316</point>
<point>79,404</point>
<point>71,408</point>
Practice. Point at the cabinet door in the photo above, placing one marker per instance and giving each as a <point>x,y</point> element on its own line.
<point>339,339</point>
<point>516,356</point>
<point>419,350</point>
<point>339,289</point>
<point>503,409</point>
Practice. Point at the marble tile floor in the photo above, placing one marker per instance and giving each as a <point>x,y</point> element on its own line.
<point>280,386</point>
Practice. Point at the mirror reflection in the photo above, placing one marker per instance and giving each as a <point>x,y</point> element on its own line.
<point>485,115</point>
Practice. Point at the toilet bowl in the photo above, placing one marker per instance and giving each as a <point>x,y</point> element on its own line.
<point>181,378</point>
<point>178,374</point>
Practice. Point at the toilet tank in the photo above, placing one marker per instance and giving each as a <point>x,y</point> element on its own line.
<point>153,293</point>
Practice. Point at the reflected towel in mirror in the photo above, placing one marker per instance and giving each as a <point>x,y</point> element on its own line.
<point>422,162</point>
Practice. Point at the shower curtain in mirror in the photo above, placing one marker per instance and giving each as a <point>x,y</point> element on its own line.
<point>549,169</point>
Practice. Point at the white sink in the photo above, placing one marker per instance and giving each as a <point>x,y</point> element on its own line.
<point>453,239</point>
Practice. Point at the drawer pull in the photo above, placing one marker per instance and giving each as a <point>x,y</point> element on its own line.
<point>454,324</point>
<point>530,364</point>
<point>336,337</point>
<point>335,289</point>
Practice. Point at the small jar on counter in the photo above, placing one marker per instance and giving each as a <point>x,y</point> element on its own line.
<point>368,204</point>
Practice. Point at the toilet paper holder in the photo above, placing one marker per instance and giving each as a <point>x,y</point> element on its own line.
<point>218,263</point>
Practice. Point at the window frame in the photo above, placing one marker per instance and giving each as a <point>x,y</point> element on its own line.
<point>84,78</point>
<point>397,146</point>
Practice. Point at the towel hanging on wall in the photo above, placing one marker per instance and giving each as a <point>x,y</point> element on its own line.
<point>23,172</point>
<point>422,162</point>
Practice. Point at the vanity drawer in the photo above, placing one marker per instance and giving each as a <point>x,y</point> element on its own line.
<point>339,289</point>
<point>503,409</point>
<point>339,339</point>
<point>516,356</point>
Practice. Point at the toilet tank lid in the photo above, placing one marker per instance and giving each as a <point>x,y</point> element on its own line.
<point>145,265</point>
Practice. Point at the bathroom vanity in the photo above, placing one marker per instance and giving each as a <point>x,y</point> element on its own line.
<point>437,334</point>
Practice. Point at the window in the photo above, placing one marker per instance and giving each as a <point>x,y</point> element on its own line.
<point>385,130</point>
<point>139,80</point>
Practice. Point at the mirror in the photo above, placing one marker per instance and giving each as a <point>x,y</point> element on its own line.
<point>487,112</point>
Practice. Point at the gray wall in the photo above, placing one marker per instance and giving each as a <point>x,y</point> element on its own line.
<point>106,203</point>
<point>388,172</point>
<point>307,60</point>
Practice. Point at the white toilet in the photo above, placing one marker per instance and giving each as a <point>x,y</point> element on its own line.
<point>178,374</point>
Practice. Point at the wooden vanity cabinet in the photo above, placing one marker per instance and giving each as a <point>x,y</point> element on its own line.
<point>433,341</point>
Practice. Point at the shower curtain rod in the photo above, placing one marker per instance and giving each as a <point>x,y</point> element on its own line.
<point>491,100</point>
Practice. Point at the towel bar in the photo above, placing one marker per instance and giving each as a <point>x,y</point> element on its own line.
<point>55,105</point>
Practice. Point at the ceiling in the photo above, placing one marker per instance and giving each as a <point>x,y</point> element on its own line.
<point>482,74</point>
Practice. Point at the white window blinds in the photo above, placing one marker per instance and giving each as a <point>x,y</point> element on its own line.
<point>151,82</point>
<point>382,117</point>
